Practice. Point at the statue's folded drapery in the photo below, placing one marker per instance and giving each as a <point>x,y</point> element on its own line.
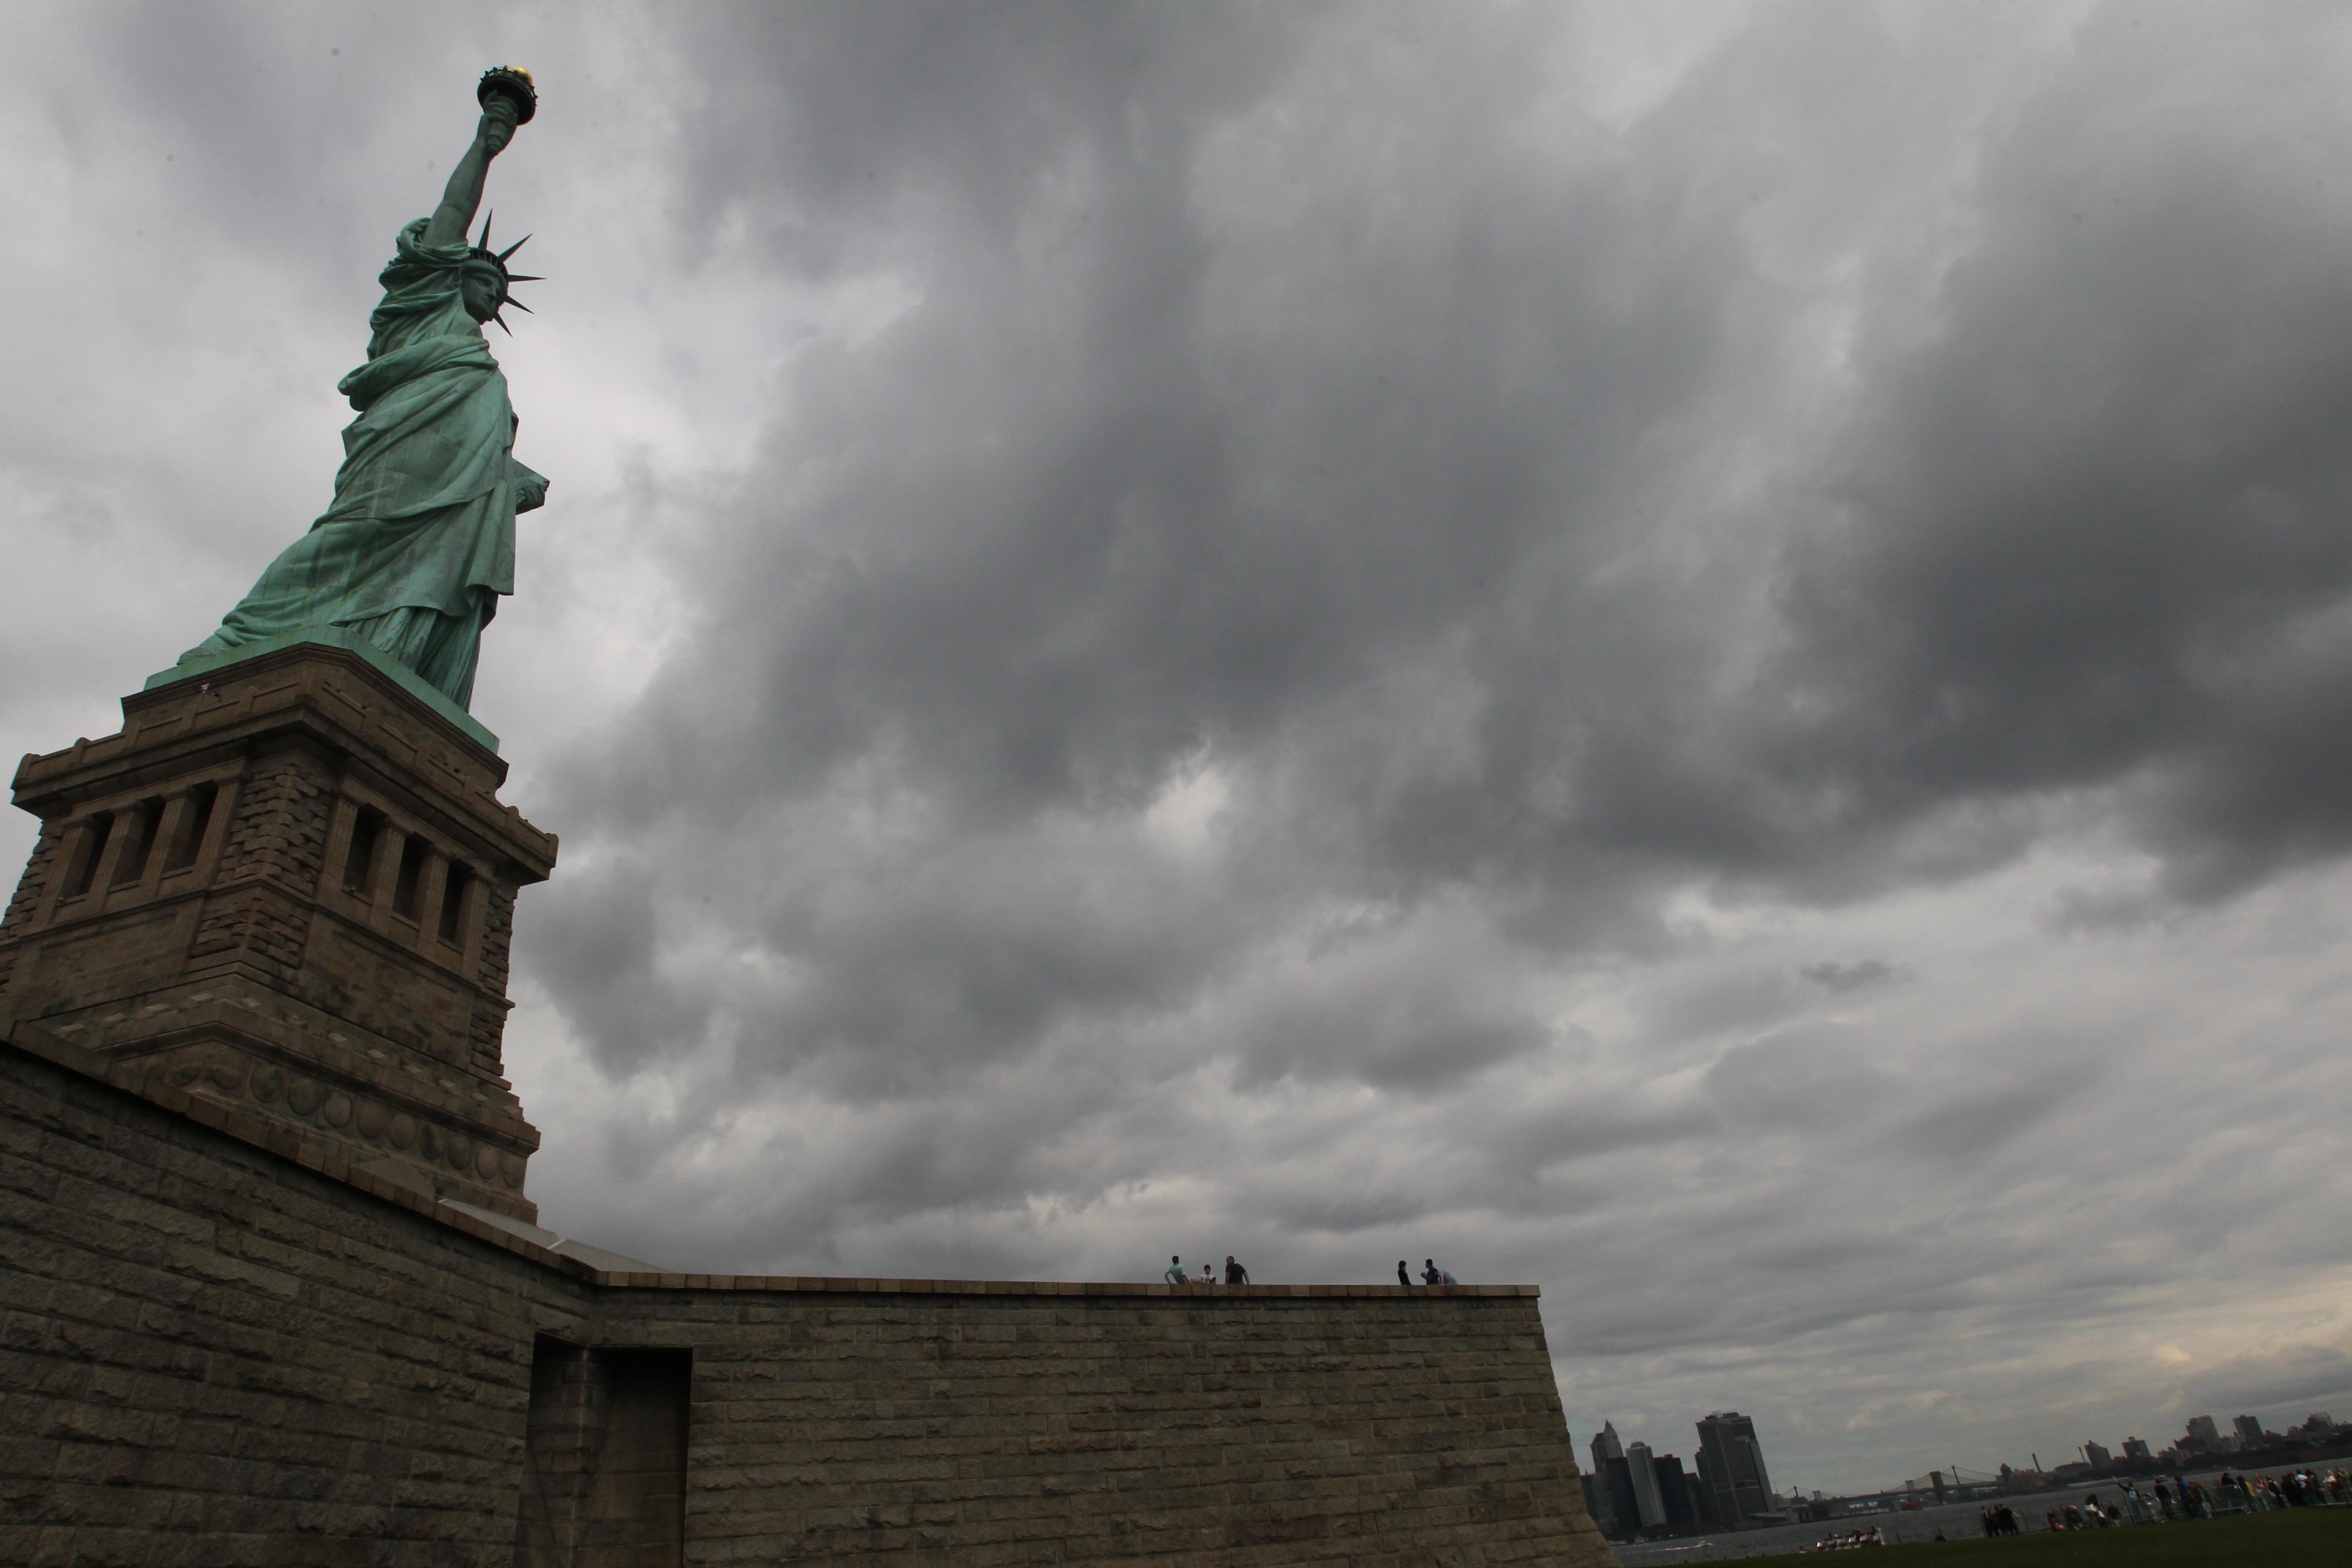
<point>420,541</point>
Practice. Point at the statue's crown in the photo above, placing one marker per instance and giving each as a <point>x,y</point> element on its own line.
<point>497,260</point>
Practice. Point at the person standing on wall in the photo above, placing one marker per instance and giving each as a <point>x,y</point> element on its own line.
<point>1175,1271</point>
<point>1234,1273</point>
<point>1403,1278</point>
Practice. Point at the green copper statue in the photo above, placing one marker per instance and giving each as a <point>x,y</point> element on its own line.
<point>420,541</point>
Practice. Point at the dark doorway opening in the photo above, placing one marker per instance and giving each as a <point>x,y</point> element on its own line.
<point>605,1481</point>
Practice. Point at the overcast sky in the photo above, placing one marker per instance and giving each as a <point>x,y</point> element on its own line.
<point>1697,654</point>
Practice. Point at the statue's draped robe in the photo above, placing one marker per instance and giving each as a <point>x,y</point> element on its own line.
<point>420,541</point>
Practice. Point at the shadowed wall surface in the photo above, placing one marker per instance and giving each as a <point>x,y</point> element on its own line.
<point>221,1342</point>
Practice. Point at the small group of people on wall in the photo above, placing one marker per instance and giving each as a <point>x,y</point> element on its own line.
<point>1175,1275</point>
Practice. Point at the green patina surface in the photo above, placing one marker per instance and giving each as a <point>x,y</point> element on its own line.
<point>419,543</point>
<point>195,665</point>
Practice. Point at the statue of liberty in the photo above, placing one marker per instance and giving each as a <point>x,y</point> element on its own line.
<point>420,541</point>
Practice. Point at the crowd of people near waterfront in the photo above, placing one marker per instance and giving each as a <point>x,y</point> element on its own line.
<point>1850,1541</point>
<point>2184,1499</point>
<point>2160,1502</point>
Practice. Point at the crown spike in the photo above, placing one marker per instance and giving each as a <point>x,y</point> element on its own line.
<point>519,305</point>
<point>509,251</point>
<point>501,321</point>
<point>484,243</point>
<point>525,278</point>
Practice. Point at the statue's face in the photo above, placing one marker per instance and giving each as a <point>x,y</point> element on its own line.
<point>479,286</point>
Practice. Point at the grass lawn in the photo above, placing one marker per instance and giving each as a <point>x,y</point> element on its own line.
<point>2291,1538</point>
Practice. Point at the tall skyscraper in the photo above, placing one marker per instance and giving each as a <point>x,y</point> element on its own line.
<point>1605,1447</point>
<point>2250,1431</point>
<point>2098,1457</point>
<point>1707,1493</point>
<point>1647,1500</point>
<point>1731,1462</point>
<point>2202,1434</point>
<point>2136,1448</point>
<point>1673,1490</point>
<point>1624,1509</point>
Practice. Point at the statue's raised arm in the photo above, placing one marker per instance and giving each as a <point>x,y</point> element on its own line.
<point>455,217</point>
<point>418,545</point>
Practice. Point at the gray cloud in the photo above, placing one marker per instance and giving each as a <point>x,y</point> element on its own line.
<point>2090,535</point>
<point>1861,974</point>
<point>2300,1378</point>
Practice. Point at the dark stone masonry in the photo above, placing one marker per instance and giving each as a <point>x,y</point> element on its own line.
<point>250,1312</point>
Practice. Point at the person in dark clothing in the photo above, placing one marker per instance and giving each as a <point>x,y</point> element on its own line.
<point>1403,1278</point>
<point>1234,1273</point>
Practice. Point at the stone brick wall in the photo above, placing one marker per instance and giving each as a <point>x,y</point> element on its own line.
<point>487,1033</point>
<point>39,868</point>
<point>220,1344</point>
<point>1214,1429</point>
<point>270,866</point>
<point>30,889</point>
<point>209,1353</point>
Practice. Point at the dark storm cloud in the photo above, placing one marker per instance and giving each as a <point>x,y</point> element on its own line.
<point>1162,468</point>
<point>1271,405</point>
<point>2299,1379</point>
<point>2094,533</point>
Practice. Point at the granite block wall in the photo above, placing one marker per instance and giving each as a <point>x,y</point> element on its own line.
<point>221,1345</point>
<point>1208,1428</point>
<point>210,1354</point>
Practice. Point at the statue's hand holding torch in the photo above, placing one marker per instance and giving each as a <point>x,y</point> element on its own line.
<point>508,99</point>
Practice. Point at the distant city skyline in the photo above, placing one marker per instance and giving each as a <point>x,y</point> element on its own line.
<point>1634,1487</point>
<point>1726,1439</point>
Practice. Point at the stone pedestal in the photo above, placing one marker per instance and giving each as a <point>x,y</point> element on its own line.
<point>289,884</point>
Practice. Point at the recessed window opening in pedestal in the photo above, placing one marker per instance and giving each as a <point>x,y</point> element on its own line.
<point>359,865</point>
<point>411,877</point>
<point>84,869</point>
<point>145,817</point>
<point>193,827</point>
<point>453,903</point>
